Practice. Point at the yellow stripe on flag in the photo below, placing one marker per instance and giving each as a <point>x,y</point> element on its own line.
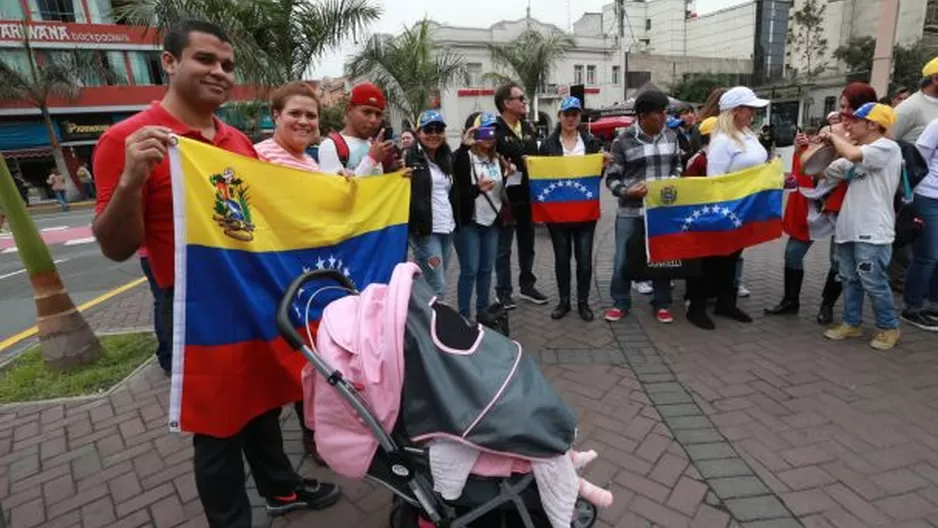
<point>553,167</point>
<point>339,209</point>
<point>735,186</point>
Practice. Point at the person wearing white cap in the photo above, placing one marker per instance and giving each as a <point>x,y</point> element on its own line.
<point>733,147</point>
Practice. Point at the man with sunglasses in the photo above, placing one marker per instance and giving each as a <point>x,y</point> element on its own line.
<point>516,139</point>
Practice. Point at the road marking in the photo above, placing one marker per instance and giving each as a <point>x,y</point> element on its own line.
<point>29,332</point>
<point>14,273</point>
<point>56,228</point>
<point>77,241</point>
<point>13,249</point>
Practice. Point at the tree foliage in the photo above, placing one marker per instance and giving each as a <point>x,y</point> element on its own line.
<point>410,68</point>
<point>907,61</point>
<point>332,117</point>
<point>806,37</point>
<point>696,87</point>
<point>530,58</point>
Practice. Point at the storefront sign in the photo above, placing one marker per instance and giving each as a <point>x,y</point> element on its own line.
<point>74,33</point>
<point>84,127</point>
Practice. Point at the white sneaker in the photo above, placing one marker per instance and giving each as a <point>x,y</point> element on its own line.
<point>743,291</point>
<point>643,287</point>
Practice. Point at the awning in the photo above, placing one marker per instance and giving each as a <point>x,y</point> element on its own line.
<point>27,153</point>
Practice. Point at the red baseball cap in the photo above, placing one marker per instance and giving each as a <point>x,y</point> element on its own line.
<point>367,94</point>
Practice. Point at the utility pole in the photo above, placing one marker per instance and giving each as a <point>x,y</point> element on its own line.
<point>885,40</point>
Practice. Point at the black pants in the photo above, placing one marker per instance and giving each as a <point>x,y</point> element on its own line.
<point>718,279</point>
<point>219,467</point>
<point>574,240</point>
<point>524,227</point>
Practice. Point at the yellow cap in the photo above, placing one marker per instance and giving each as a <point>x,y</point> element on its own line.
<point>882,115</point>
<point>931,68</point>
<point>707,125</point>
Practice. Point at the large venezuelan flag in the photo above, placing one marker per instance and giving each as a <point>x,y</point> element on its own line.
<point>244,230</point>
<point>699,217</point>
<point>565,188</point>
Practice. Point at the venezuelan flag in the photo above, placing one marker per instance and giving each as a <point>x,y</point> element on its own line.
<point>698,217</point>
<point>565,188</point>
<point>244,230</point>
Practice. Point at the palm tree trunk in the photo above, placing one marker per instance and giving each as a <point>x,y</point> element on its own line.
<point>64,335</point>
<point>71,190</point>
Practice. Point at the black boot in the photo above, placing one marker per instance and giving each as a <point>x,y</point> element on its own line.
<point>790,302</point>
<point>697,315</point>
<point>562,309</point>
<point>832,289</point>
<point>584,308</point>
<point>726,307</point>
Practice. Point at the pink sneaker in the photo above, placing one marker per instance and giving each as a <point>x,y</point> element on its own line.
<point>664,316</point>
<point>614,314</point>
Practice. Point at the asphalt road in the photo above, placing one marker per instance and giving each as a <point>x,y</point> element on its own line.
<point>86,273</point>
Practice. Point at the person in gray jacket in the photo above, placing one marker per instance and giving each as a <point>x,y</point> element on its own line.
<point>645,151</point>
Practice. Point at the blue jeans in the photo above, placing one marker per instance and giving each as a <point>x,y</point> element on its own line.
<point>795,251</point>
<point>620,288</point>
<point>921,279</point>
<point>476,248</point>
<point>164,335</point>
<point>863,270</point>
<point>60,197</point>
<point>432,253</point>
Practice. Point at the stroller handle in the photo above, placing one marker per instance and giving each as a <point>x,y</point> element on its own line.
<point>284,326</point>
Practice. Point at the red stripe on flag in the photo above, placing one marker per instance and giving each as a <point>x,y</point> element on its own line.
<point>224,387</point>
<point>564,212</point>
<point>691,244</point>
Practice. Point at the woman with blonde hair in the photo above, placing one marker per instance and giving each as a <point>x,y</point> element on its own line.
<point>733,147</point>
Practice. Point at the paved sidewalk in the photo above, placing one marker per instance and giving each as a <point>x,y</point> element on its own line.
<point>762,425</point>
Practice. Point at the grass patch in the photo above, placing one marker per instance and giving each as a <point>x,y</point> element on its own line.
<point>27,378</point>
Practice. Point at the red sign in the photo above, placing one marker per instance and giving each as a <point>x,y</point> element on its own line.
<point>75,33</point>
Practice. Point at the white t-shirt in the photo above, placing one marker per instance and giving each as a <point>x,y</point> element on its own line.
<point>443,220</point>
<point>578,150</point>
<point>725,155</point>
<point>358,157</point>
<point>486,214</point>
<point>867,214</point>
<point>927,144</point>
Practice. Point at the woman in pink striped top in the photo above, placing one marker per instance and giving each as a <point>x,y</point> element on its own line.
<point>295,109</point>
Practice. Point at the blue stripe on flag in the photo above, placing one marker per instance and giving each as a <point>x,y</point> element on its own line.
<point>718,216</point>
<point>565,189</point>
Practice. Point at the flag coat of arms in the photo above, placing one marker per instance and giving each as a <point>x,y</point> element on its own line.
<point>565,188</point>
<point>244,229</point>
<point>688,218</point>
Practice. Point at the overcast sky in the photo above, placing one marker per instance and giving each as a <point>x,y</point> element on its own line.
<point>479,13</point>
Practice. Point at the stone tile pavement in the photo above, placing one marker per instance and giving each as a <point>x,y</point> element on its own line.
<point>762,425</point>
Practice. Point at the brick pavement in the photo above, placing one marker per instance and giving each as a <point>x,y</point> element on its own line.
<point>745,426</point>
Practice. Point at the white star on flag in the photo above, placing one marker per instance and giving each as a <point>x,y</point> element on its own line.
<point>320,263</point>
<point>589,194</point>
<point>706,209</point>
<point>331,262</point>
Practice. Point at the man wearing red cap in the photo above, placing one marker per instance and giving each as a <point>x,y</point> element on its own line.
<point>358,148</point>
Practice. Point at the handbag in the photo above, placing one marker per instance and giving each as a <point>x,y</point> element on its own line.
<point>638,268</point>
<point>503,216</point>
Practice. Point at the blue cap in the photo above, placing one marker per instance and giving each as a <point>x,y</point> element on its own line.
<point>674,122</point>
<point>430,116</point>
<point>571,103</point>
<point>486,119</point>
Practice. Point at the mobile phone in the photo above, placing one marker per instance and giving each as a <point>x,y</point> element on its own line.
<point>483,134</point>
<point>388,133</point>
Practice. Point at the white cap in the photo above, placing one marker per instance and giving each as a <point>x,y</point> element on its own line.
<point>741,96</point>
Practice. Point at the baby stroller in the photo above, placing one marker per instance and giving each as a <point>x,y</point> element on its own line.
<point>398,457</point>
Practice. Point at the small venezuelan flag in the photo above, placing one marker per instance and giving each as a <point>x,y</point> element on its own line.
<point>244,230</point>
<point>565,188</point>
<point>688,218</point>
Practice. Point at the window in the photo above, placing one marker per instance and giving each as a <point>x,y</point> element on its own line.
<point>647,24</point>
<point>96,68</point>
<point>11,10</point>
<point>830,103</point>
<point>615,75</point>
<point>57,10</point>
<point>99,11</point>
<point>475,74</point>
<point>591,74</point>
<point>635,79</point>
<point>146,67</point>
<point>578,74</point>
<point>16,59</point>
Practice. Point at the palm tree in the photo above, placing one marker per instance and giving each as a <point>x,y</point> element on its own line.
<point>59,75</point>
<point>64,335</point>
<point>276,41</point>
<point>410,68</point>
<point>530,57</point>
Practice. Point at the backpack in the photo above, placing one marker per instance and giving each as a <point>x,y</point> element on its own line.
<point>341,147</point>
<point>914,169</point>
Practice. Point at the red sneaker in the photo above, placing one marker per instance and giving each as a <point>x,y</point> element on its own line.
<point>664,316</point>
<point>614,314</point>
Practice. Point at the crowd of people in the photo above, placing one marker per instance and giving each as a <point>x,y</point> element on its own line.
<point>475,200</point>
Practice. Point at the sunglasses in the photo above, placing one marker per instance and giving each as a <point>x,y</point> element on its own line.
<point>434,129</point>
<point>520,98</point>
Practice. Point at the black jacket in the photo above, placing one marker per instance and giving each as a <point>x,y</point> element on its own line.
<point>553,147</point>
<point>466,187</point>
<point>421,187</point>
<point>514,149</point>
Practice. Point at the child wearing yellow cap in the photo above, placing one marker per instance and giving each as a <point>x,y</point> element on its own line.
<point>697,164</point>
<point>866,225</point>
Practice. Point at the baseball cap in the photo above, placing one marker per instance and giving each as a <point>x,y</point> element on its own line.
<point>485,119</point>
<point>930,68</point>
<point>674,122</point>
<point>741,96</point>
<point>571,103</point>
<point>707,125</point>
<point>882,115</point>
<point>430,116</point>
<point>367,94</point>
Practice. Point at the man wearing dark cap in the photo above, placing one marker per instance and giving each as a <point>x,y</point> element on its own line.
<point>645,151</point>
<point>359,148</point>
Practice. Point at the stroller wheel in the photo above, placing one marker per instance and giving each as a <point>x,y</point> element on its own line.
<point>584,515</point>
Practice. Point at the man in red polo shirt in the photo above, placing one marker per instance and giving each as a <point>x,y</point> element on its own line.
<point>135,208</point>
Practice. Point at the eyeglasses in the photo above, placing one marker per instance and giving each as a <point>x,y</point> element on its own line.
<point>520,98</point>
